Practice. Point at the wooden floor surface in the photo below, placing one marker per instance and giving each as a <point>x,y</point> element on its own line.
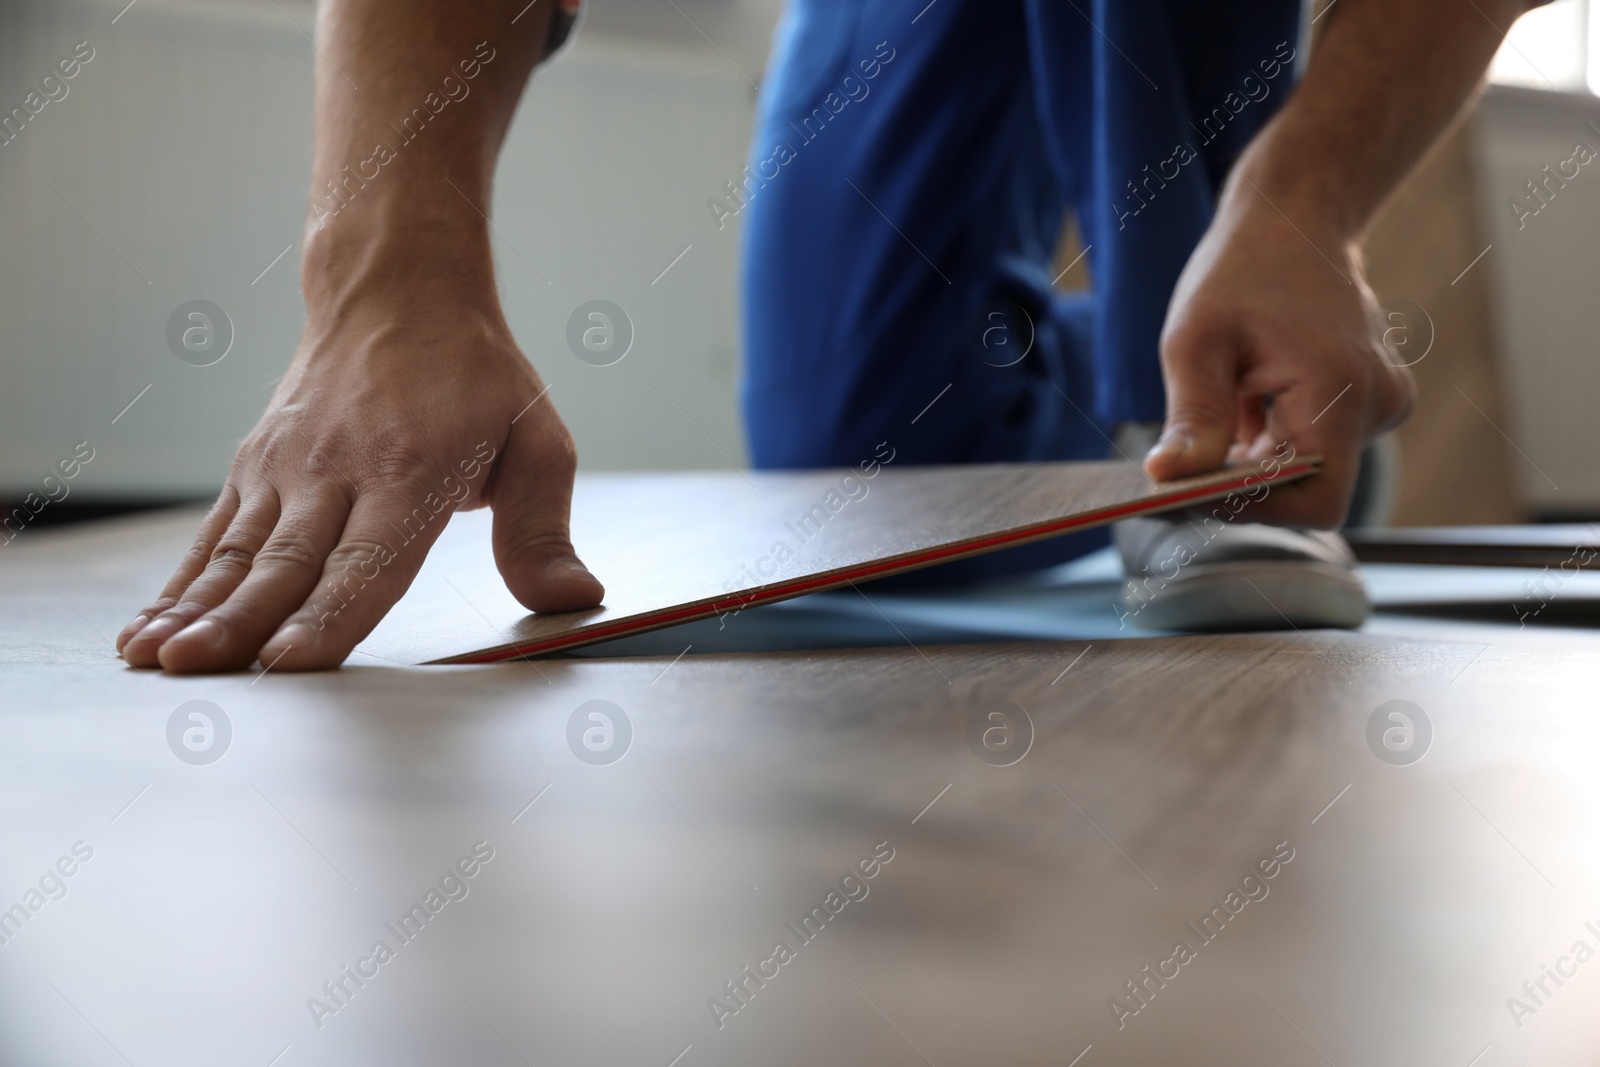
<point>611,902</point>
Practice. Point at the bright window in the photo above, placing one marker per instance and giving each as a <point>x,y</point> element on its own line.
<point>1552,48</point>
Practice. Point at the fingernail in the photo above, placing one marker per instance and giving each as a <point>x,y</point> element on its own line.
<point>566,570</point>
<point>1174,442</point>
<point>206,632</point>
<point>161,629</point>
<point>295,635</point>
<point>140,621</point>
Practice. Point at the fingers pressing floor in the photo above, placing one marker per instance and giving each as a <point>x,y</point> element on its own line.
<point>214,567</point>
<point>282,572</point>
<point>373,563</point>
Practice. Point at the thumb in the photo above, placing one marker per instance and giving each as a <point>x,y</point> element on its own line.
<point>532,500</point>
<point>1201,410</point>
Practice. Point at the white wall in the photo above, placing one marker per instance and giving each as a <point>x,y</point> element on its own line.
<point>185,145</point>
<point>186,142</point>
<point>1547,285</point>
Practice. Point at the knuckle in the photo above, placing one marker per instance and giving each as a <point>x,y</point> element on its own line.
<point>294,550</point>
<point>347,573</point>
<point>187,609</point>
<point>227,502</point>
<point>246,459</point>
<point>1197,411</point>
<point>534,544</point>
<point>198,555</point>
<point>319,462</point>
<point>359,555</point>
<point>1180,347</point>
<point>1387,393</point>
<point>563,460</point>
<point>1192,341</point>
<point>556,456</point>
<point>232,553</point>
<point>399,457</point>
<point>1399,400</point>
<point>264,451</point>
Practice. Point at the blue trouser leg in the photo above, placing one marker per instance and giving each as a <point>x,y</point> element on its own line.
<point>909,174</point>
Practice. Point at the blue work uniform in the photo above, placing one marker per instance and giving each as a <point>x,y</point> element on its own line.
<point>910,172</point>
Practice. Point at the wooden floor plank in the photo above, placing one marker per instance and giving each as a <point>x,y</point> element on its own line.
<point>672,548</point>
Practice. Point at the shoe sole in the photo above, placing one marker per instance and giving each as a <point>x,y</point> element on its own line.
<point>1254,595</point>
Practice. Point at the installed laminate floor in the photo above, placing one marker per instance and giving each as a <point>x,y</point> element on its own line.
<point>629,859</point>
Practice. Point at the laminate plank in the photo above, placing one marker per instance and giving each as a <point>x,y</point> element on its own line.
<point>673,548</point>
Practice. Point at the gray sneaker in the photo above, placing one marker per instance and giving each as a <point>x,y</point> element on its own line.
<point>1181,576</point>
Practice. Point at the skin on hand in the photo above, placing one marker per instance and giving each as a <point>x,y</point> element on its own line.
<point>1261,311</point>
<point>1272,335</point>
<point>407,398</point>
<point>331,504</point>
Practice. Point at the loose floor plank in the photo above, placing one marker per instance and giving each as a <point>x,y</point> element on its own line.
<point>672,548</point>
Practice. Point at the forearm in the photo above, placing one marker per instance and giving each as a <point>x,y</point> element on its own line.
<point>1384,82</point>
<point>413,100</point>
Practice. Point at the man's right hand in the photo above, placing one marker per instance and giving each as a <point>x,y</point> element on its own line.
<point>395,412</point>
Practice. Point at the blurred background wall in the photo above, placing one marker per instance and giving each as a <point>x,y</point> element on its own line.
<point>174,169</point>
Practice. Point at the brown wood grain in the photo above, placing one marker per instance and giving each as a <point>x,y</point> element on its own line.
<point>1019,903</point>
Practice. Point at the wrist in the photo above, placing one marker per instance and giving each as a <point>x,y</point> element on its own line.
<point>395,256</point>
<point>1287,177</point>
